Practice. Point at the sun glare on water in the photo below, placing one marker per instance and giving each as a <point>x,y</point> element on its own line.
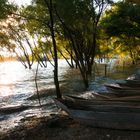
<point>8,78</point>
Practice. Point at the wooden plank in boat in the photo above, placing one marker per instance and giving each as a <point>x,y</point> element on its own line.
<point>115,120</point>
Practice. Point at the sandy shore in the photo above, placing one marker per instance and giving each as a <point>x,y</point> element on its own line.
<point>60,127</point>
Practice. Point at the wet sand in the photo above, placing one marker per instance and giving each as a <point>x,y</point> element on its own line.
<point>61,127</point>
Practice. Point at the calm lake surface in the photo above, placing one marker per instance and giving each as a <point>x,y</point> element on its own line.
<point>18,90</point>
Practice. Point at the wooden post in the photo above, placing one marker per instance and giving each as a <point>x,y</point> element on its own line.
<point>105,69</point>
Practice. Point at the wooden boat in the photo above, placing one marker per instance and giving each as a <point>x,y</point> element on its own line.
<point>73,100</point>
<point>116,116</point>
<point>123,91</point>
<point>135,76</point>
<point>115,98</point>
<point>129,84</point>
<point>134,81</point>
<point>102,105</point>
<point>116,87</point>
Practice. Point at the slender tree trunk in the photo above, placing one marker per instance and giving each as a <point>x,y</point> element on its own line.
<point>131,55</point>
<point>50,7</point>
<point>71,66</point>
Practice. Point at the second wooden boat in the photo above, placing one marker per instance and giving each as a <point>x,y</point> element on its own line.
<point>118,116</point>
<point>123,91</point>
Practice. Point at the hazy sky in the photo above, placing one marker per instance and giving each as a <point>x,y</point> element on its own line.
<point>25,2</point>
<point>21,2</point>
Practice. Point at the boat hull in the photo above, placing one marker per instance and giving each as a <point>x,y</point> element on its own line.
<point>125,121</point>
<point>121,92</point>
<point>114,119</point>
<point>130,83</point>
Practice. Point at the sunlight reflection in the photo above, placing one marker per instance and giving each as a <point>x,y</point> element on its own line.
<point>8,78</point>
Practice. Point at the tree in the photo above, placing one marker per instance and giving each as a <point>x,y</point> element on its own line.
<point>122,22</point>
<point>5,9</point>
<point>52,31</point>
<point>133,1</point>
<point>50,20</point>
<point>80,33</point>
<point>80,27</point>
<point>43,18</point>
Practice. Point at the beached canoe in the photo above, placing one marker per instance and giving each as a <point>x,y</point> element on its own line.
<point>123,91</point>
<point>101,105</point>
<point>129,100</point>
<point>79,101</point>
<point>116,87</point>
<point>108,96</point>
<point>132,81</point>
<point>98,115</point>
<point>129,84</point>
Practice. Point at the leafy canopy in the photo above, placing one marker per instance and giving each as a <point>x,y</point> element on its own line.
<point>5,9</point>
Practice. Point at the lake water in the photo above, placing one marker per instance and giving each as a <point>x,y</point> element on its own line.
<point>18,90</point>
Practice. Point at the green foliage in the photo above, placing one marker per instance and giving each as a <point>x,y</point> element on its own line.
<point>122,22</point>
<point>133,1</point>
<point>37,18</point>
<point>5,9</point>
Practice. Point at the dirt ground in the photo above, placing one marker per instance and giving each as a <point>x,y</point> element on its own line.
<point>63,128</point>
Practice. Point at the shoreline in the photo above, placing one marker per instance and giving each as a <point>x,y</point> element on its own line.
<point>61,127</point>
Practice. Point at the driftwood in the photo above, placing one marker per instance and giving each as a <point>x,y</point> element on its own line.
<point>18,108</point>
<point>13,109</point>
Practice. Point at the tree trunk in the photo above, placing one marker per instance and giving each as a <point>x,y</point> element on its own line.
<point>50,7</point>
